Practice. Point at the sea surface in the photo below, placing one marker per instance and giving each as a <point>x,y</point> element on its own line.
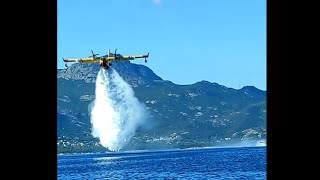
<point>204,163</point>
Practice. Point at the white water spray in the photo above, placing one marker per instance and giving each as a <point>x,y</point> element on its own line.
<point>116,112</point>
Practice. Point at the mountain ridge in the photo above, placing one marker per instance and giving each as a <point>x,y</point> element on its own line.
<point>95,67</point>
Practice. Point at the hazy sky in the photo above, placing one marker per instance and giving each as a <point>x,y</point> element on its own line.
<point>221,41</point>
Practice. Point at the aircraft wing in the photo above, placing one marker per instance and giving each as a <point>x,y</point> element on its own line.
<point>102,60</point>
<point>119,58</point>
<point>81,60</point>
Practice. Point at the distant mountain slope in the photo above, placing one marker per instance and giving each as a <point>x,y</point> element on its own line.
<point>181,116</point>
<point>133,73</point>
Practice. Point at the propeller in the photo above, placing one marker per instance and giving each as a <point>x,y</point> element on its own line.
<point>145,58</point>
<point>115,53</point>
<point>93,55</point>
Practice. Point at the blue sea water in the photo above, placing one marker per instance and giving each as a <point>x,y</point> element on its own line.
<point>205,163</point>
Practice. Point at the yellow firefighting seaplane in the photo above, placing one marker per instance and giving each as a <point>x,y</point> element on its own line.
<point>105,61</point>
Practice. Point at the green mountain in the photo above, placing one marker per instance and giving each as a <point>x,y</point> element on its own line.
<point>181,116</point>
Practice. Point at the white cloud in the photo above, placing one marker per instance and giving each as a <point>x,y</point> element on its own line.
<point>157,2</point>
